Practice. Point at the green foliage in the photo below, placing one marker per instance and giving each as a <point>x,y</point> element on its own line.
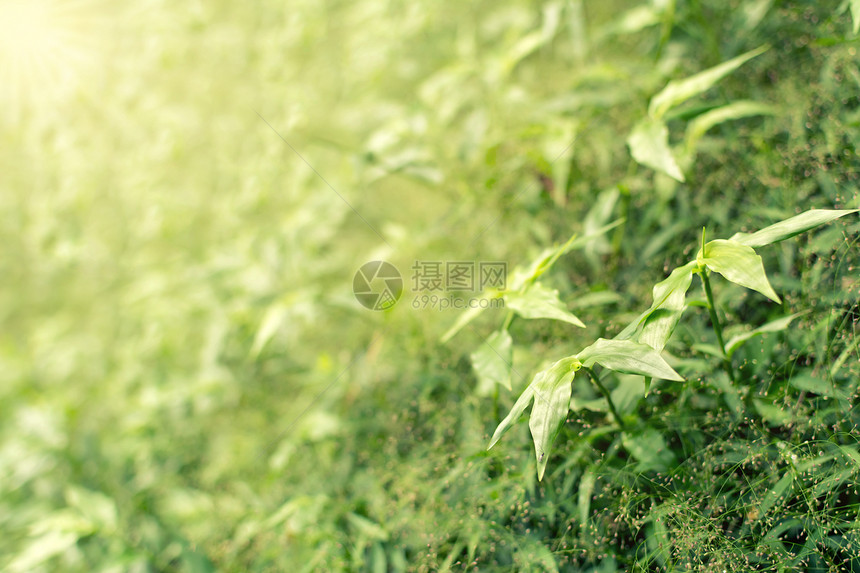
<point>735,261</point>
<point>627,357</point>
<point>649,139</point>
<point>188,384</point>
<point>492,362</point>
<point>537,301</point>
<point>649,145</point>
<point>677,92</point>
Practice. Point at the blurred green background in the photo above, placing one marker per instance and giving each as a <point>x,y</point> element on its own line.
<point>186,380</point>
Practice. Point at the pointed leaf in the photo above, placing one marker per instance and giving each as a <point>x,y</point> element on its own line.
<point>679,91</point>
<point>272,321</point>
<point>465,318</point>
<point>598,215</point>
<point>40,549</point>
<point>650,450</point>
<point>774,495</point>
<point>550,389</point>
<point>597,298</point>
<point>675,281</point>
<point>540,302</point>
<point>516,411</point>
<point>552,402</point>
<point>735,110</point>
<point>810,383</point>
<point>855,14</point>
<point>586,488</point>
<point>633,20</point>
<point>709,349</point>
<point>628,357</point>
<point>492,362</point>
<point>649,145</point>
<point>790,227</point>
<point>738,263</point>
<point>669,304</point>
<point>520,276</point>
<point>773,326</point>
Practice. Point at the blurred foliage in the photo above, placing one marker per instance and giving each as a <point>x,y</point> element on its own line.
<point>188,384</point>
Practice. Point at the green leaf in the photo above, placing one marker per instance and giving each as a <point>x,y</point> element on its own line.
<point>522,276</point>
<point>516,411</point>
<point>790,227</point>
<point>586,489</point>
<point>96,507</point>
<point>465,318</point>
<point>628,392</point>
<point>709,349</point>
<point>628,357</point>
<point>597,298</point>
<point>773,415</point>
<point>366,528</point>
<point>492,362</point>
<point>599,213</point>
<point>40,549</point>
<point>738,263</point>
<point>550,389</point>
<point>721,381</point>
<point>851,454</point>
<point>679,91</point>
<point>534,40</point>
<point>855,14</point>
<point>649,145</point>
<point>668,306</point>
<point>650,450</point>
<point>752,13</point>
<point>773,326</point>
<point>657,538</point>
<point>633,20</point>
<point>774,495</point>
<point>540,302</point>
<point>811,383</point>
<point>272,321</point>
<point>840,361</point>
<point>735,110</point>
<point>552,402</point>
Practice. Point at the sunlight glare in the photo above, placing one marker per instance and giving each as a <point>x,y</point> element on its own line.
<point>44,47</point>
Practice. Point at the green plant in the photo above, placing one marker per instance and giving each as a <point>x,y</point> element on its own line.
<point>636,350</point>
<point>649,138</point>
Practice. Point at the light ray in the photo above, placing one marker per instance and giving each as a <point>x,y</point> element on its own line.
<point>47,49</point>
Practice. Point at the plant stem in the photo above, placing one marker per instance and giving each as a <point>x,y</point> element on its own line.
<point>596,381</point>
<point>715,322</point>
<point>508,320</point>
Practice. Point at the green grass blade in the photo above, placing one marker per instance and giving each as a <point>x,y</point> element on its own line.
<point>790,227</point>
<point>679,91</point>
<point>777,325</point>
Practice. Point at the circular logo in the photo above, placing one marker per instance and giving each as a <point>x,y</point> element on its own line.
<point>377,285</point>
